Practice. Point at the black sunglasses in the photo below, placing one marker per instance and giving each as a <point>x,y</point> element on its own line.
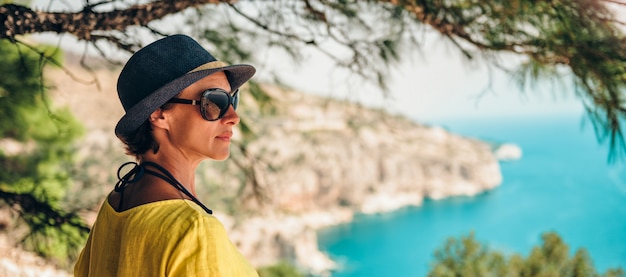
<point>214,102</point>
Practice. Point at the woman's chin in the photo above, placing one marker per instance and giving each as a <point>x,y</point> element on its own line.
<point>220,157</point>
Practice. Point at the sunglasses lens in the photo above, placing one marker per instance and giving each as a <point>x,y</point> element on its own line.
<point>235,100</point>
<point>215,103</point>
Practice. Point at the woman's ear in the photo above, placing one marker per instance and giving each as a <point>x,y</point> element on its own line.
<point>157,119</point>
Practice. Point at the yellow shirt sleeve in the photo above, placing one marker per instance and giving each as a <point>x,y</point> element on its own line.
<point>165,238</point>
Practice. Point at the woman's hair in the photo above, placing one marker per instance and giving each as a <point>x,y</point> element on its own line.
<point>142,140</point>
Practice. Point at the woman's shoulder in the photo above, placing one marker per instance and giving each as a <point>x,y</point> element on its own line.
<point>181,209</point>
<point>192,222</point>
<point>199,218</point>
<point>174,214</point>
<point>187,212</point>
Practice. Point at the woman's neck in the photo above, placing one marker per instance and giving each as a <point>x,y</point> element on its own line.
<point>182,170</point>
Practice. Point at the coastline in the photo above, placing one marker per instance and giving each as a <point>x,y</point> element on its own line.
<point>323,163</point>
<point>296,236</point>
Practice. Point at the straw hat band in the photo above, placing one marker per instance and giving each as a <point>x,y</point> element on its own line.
<point>209,65</point>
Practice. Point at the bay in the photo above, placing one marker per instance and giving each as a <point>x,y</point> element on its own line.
<point>563,183</point>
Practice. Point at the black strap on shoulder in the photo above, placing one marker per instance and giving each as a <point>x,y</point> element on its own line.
<point>131,177</point>
<point>168,177</point>
<point>139,170</point>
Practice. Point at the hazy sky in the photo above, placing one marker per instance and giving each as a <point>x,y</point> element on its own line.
<point>440,84</point>
<point>437,85</point>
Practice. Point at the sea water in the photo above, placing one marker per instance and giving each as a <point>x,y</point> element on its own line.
<point>563,183</point>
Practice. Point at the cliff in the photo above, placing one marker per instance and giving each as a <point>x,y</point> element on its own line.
<point>314,162</point>
<point>322,161</point>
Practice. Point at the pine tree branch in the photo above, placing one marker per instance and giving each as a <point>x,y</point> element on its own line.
<point>616,2</point>
<point>47,215</point>
<point>20,20</point>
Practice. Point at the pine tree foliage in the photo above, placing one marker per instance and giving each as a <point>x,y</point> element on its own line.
<point>467,257</point>
<point>581,42</point>
<point>36,157</point>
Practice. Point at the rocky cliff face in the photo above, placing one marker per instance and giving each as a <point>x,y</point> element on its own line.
<point>333,154</point>
<point>322,161</point>
<point>317,162</point>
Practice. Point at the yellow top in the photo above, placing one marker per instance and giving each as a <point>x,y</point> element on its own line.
<point>164,238</point>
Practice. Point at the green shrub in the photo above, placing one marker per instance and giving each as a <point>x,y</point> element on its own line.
<point>281,269</point>
<point>468,258</point>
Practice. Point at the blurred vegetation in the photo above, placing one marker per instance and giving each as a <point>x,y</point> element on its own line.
<point>469,258</point>
<point>282,269</point>
<point>577,41</point>
<point>36,156</point>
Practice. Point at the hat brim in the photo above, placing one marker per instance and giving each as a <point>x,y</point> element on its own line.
<point>237,75</point>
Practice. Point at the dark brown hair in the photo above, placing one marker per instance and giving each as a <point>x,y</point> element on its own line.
<point>142,140</point>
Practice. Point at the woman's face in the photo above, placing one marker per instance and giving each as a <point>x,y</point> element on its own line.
<point>195,137</point>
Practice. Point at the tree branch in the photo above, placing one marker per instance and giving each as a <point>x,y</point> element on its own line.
<point>615,2</point>
<point>46,58</point>
<point>270,30</point>
<point>20,20</point>
<point>47,214</point>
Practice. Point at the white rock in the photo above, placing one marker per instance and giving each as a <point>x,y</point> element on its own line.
<point>508,152</point>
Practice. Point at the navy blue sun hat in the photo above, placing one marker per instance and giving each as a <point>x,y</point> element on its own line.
<point>161,70</point>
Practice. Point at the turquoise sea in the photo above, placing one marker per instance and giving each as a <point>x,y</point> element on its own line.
<point>563,183</point>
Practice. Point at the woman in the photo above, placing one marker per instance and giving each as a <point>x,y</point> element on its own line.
<point>180,109</point>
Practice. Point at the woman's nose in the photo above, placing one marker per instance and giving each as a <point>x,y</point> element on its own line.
<point>231,116</point>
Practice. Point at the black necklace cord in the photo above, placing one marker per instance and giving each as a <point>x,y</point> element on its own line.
<point>168,177</point>
<point>139,170</point>
<point>122,181</point>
